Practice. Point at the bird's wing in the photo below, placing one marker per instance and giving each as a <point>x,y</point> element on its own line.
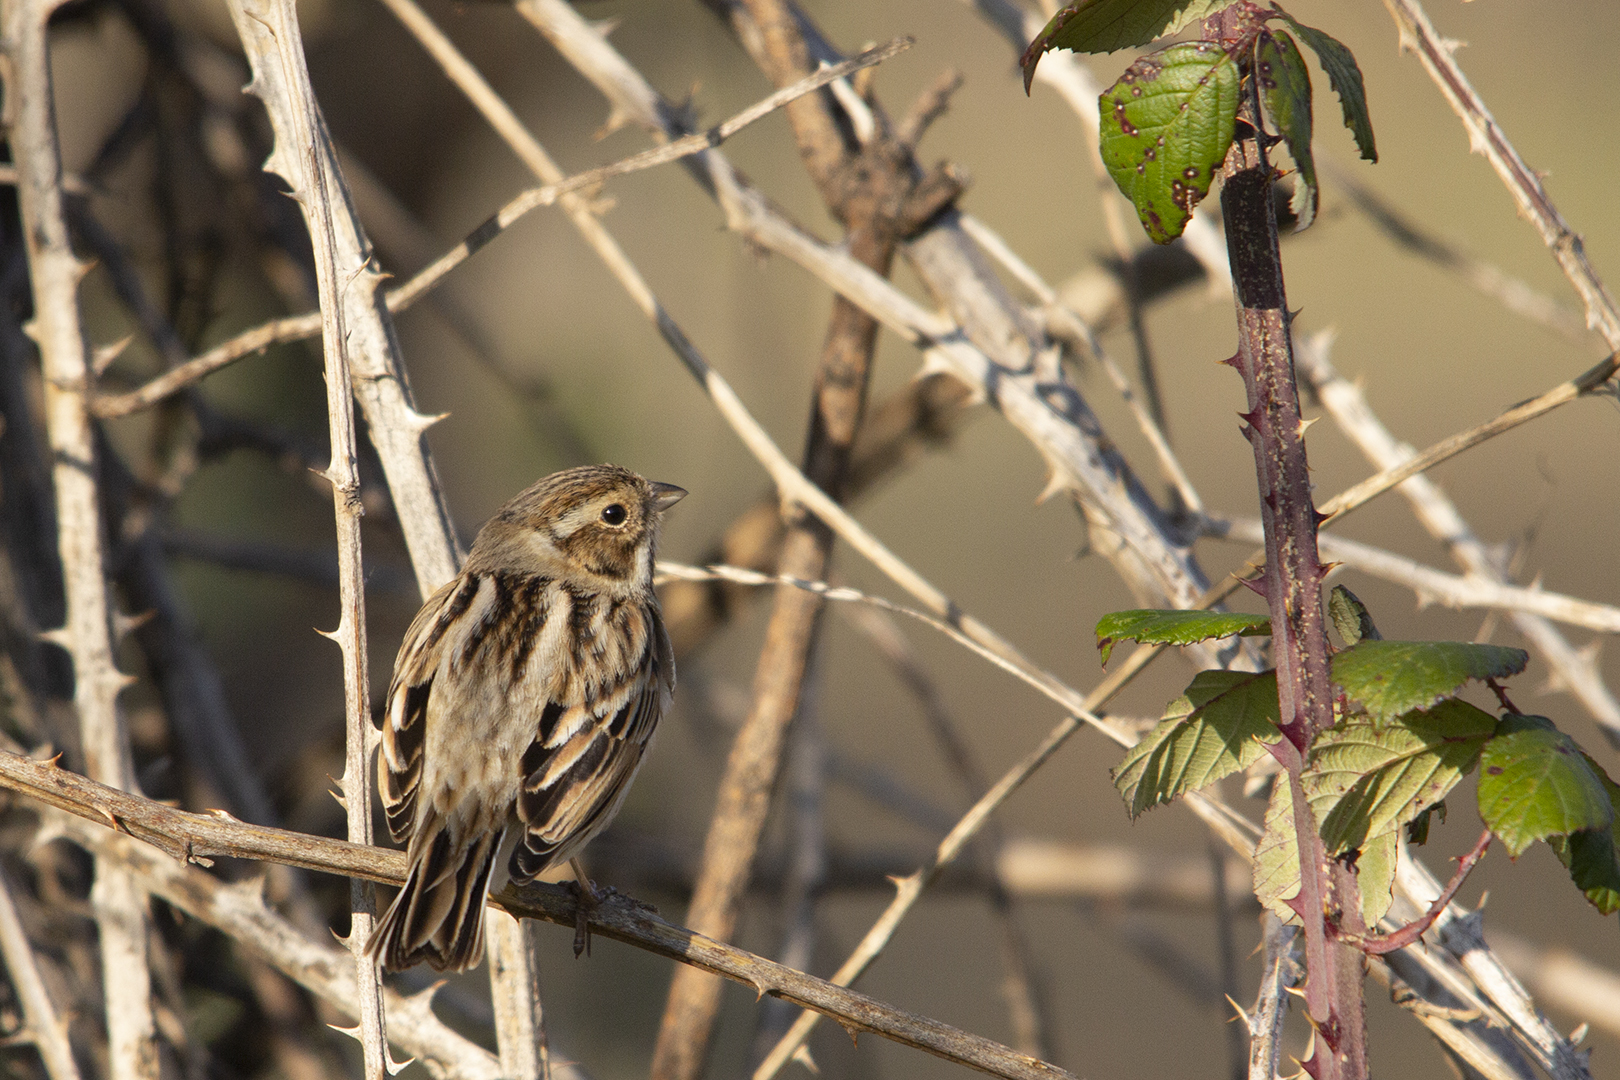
<point>578,767</point>
<point>404,727</point>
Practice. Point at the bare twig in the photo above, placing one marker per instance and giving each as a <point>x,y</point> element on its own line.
<point>872,189</point>
<point>303,157</point>
<point>327,971</point>
<point>514,977</point>
<point>1523,183</point>
<point>1125,524</point>
<point>1433,586</point>
<point>1514,293</point>
<point>1460,931</point>
<point>1588,382</point>
<point>1573,668</point>
<point>1025,1007</point>
<point>42,1022</point>
<point>1279,973</point>
<point>88,634</point>
<point>301,327</point>
<point>191,836</point>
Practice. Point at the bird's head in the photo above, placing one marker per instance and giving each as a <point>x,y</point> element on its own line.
<point>595,526</point>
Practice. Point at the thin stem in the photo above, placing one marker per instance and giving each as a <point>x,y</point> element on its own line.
<point>1379,944</point>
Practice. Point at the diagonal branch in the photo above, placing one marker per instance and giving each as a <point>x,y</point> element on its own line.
<point>1486,137</point>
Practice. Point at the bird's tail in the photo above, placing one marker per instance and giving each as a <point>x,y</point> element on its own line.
<point>438,915</point>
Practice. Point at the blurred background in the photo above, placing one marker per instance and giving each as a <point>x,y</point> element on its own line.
<point>539,361</point>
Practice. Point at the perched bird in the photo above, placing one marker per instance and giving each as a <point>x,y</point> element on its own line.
<point>523,698</point>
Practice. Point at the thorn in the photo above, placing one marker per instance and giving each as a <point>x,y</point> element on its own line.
<point>82,268</point>
<point>102,356</point>
<point>420,422</point>
<point>59,636</point>
<point>1578,1036</point>
<point>605,27</point>
<point>31,328</point>
<point>1305,425</point>
<point>1056,484</point>
<point>802,1056</point>
<point>617,118</point>
<point>1253,417</point>
<point>1247,432</point>
<point>123,624</point>
<point>852,1031</point>
<point>394,1067</point>
<point>223,815</point>
<point>1241,1015</point>
<point>1256,586</point>
<point>352,1032</point>
<point>341,801</point>
<point>1235,361</point>
<point>760,989</point>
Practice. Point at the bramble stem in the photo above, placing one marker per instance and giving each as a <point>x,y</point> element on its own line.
<point>1328,896</point>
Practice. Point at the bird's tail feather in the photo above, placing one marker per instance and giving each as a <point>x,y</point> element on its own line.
<point>438,915</point>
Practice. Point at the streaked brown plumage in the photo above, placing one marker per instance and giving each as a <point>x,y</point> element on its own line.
<point>524,695</point>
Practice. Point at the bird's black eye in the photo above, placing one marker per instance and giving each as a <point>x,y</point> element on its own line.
<point>614,514</point>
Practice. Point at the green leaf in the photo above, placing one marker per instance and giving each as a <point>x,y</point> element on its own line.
<point>1167,627</point>
<point>1535,783</point>
<point>1350,616</point>
<point>1276,856</point>
<point>1365,779</point>
<point>1100,26</point>
<point>1285,88</point>
<point>1166,126</point>
<point>1375,875</point>
<point>1342,71</point>
<point>1388,678</point>
<point>1592,856</point>
<point>1276,863</point>
<point>1215,728</point>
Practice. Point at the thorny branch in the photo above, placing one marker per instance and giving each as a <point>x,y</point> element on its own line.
<point>88,635</point>
<point>196,837</point>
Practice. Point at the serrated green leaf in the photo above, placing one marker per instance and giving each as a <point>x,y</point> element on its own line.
<point>1104,26</point>
<point>1168,627</point>
<point>1593,855</point>
<point>1276,863</point>
<point>1350,617</point>
<point>1285,89</point>
<point>1214,729</point>
<point>1276,856</point>
<point>1388,678</point>
<point>1535,783</point>
<point>1166,126</point>
<point>1345,75</point>
<point>1365,779</point>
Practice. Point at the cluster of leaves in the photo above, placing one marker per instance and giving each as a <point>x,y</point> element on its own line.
<point>1168,122</point>
<point>1401,742</point>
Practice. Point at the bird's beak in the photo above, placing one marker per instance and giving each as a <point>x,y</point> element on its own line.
<point>665,495</point>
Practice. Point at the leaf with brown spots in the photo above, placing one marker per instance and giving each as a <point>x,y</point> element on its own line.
<point>1166,126</point>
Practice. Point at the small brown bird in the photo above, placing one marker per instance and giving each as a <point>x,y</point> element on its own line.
<point>523,698</point>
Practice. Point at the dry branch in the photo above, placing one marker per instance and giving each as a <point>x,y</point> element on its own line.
<point>69,376</point>
<point>193,837</point>
<point>1486,137</point>
<point>1572,668</point>
<point>352,327</point>
<point>42,1021</point>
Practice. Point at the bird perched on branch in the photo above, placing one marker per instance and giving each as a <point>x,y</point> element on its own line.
<point>524,696</point>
